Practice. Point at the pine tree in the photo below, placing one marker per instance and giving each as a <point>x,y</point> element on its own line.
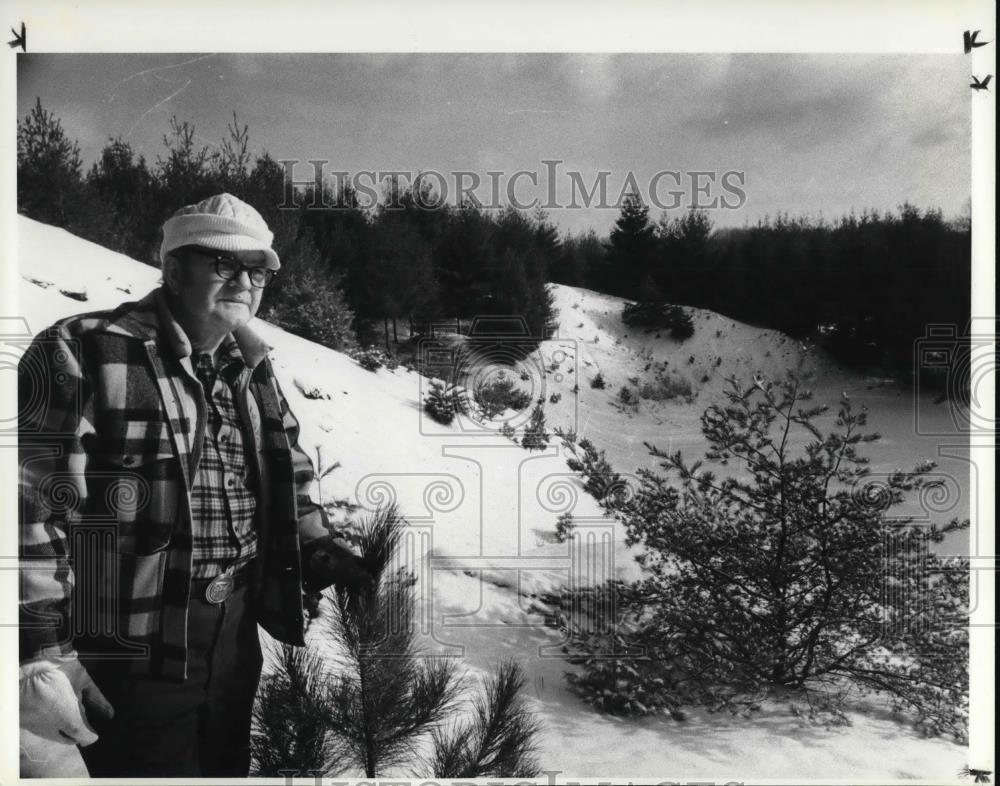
<point>535,436</point>
<point>792,575</point>
<point>378,700</point>
<point>385,696</point>
<point>499,740</point>
<point>290,731</point>
<point>631,247</point>
<point>48,168</point>
<point>401,276</point>
<point>444,401</point>
<point>684,244</point>
<point>564,527</point>
<point>123,182</point>
<point>185,175</point>
<point>305,300</point>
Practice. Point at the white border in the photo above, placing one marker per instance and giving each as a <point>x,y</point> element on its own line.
<point>849,26</point>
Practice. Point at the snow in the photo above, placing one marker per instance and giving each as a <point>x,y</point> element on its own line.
<point>482,510</point>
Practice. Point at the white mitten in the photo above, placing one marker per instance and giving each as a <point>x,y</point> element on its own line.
<point>54,693</point>
<point>42,758</point>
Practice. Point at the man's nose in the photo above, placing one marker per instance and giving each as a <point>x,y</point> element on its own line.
<point>241,280</point>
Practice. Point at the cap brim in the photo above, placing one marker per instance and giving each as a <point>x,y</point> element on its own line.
<point>235,243</point>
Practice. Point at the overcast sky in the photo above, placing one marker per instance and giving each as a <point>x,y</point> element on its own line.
<point>814,134</point>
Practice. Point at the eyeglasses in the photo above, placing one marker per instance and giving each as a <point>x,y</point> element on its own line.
<point>228,268</point>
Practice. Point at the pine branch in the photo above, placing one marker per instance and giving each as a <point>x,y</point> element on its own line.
<point>500,739</point>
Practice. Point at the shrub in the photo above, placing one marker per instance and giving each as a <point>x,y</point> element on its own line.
<point>680,323</point>
<point>599,625</point>
<point>496,396</point>
<point>371,358</point>
<point>507,430</point>
<point>535,437</point>
<point>306,301</point>
<point>598,382</point>
<point>646,315</point>
<point>627,397</point>
<point>600,480</point>
<point>568,436</point>
<point>654,315</point>
<point>564,525</point>
<point>789,576</point>
<point>555,398</point>
<point>443,402</point>
<point>666,387</point>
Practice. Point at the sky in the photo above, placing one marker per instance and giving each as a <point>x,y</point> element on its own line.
<point>813,135</point>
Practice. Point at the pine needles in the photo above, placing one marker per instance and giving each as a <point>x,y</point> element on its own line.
<point>379,704</point>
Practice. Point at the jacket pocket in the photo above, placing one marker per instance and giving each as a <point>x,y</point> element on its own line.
<point>133,590</point>
<point>139,486</point>
<point>131,443</point>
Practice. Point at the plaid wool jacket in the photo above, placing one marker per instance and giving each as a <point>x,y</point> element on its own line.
<point>112,423</point>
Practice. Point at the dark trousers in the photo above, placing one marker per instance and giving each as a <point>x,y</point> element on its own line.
<point>198,728</point>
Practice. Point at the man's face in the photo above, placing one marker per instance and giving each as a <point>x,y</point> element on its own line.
<point>206,301</point>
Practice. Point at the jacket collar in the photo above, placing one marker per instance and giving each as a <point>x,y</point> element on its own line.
<point>150,318</point>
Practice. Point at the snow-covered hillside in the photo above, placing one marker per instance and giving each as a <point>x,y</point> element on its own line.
<point>482,510</point>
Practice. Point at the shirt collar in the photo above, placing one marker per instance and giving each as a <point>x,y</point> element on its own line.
<point>228,363</point>
<point>231,361</point>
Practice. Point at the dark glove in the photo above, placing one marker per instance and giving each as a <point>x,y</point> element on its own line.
<point>328,561</point>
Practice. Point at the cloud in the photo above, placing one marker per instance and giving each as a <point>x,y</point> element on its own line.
<point>816,132</point>
<point>801,101</point>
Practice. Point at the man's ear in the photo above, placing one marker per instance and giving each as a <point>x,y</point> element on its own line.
<point>172,273</point>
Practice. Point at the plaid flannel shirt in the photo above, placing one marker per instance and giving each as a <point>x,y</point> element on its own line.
<point>111,432</point>
<point>224,493</point>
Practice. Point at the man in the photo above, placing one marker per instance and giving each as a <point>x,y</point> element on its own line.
<point>164,513</point>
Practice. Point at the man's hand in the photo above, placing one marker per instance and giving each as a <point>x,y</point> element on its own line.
<point>331,562</point>
<point>57,695</point>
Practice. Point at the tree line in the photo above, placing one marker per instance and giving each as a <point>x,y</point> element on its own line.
<point>346,271</point>
<point>864,286</point>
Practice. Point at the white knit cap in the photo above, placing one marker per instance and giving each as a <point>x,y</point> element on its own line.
<point>222,222</point>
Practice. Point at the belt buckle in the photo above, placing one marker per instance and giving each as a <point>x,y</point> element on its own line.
<point>220,588</point>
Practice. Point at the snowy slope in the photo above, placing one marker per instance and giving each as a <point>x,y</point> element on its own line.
<point>480,507</point>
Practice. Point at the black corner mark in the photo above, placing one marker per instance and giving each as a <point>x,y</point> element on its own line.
<point>19,40</point>
<point>976,84</point>
<point>969,41</point>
